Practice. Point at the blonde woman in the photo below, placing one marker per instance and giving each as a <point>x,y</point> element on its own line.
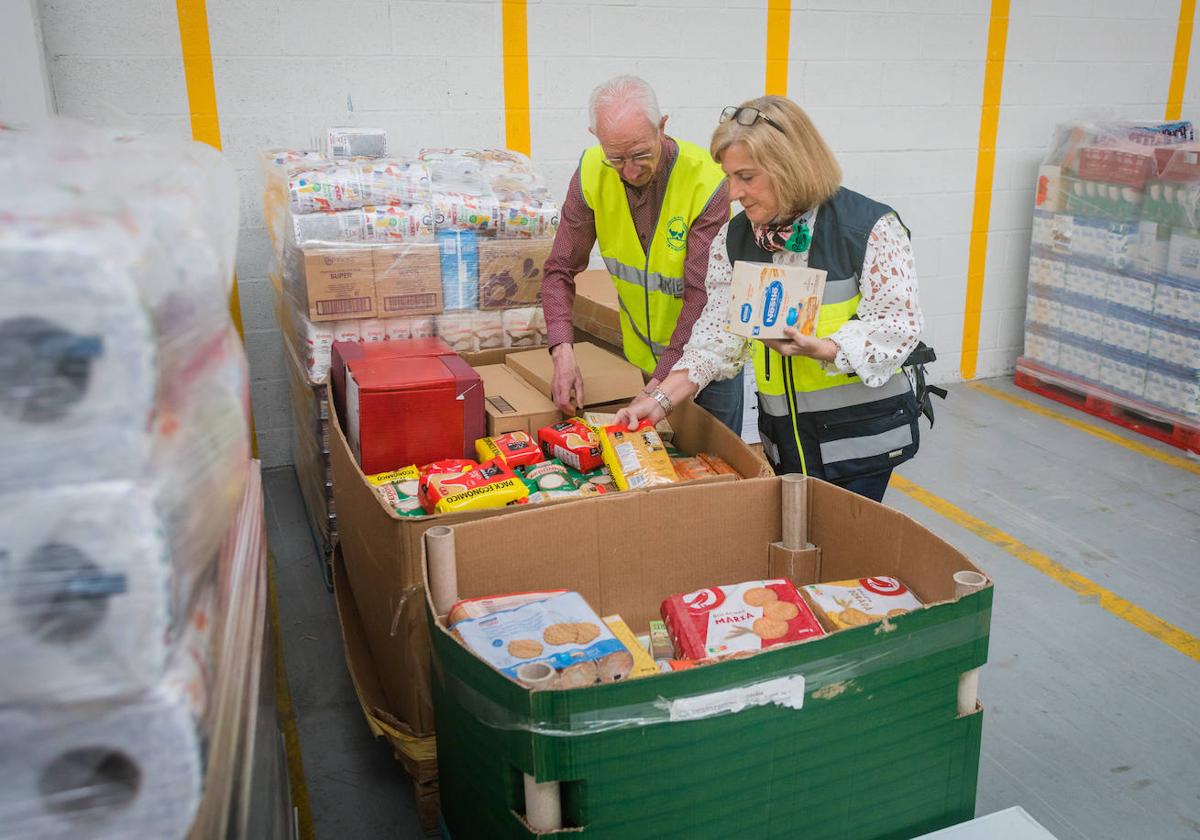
<point>834,405</point>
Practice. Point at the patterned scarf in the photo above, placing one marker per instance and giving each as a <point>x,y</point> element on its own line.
<point>792,235</point>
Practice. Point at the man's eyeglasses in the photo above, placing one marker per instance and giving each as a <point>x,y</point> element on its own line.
<point>640,159</point>
<point>749,116</point>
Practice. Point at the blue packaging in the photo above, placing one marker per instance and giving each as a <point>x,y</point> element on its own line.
<point>459,252</point>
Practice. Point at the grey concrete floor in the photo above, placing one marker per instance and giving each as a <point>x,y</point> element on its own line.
<point>1092,724</point>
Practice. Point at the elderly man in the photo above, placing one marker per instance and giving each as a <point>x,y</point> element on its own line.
<point>654,204</point>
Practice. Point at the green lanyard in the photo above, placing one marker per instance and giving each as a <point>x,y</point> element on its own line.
<point>800,239</point>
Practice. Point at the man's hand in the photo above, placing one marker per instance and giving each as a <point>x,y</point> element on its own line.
<point>566,387</point>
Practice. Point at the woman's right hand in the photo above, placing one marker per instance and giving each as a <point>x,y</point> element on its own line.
<point>643,407</point>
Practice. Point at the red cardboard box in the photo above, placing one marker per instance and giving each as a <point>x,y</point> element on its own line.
<point>749,616</point>
<point>411,410</point>
<point>344,351</point>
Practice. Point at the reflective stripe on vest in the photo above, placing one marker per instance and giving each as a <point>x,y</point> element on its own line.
<point>828,399</point>
<point>649,282</point>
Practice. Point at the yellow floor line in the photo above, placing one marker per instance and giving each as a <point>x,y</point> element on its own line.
<point>287,718</point>
<point>1109,601</point>
<point>1093,430</point>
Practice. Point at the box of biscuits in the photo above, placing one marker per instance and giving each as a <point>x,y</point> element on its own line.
<point>560,631</point>
<point>721,620</point>
<point>852,603</point>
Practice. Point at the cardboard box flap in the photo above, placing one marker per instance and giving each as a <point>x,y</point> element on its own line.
<point>606,378</point>
<point>512,404</point>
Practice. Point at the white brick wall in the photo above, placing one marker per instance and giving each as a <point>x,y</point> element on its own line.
<point>895,85</point>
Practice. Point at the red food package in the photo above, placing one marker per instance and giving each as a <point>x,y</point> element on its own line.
<point>448,465</point>
<point>738,617</point>
<point>573,442</point>
<point>517,449</point>
<point>493,484</point>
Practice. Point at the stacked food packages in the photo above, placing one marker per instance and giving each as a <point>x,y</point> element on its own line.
<point>566,460</point>
<point>555,640</point>
<point>1114,273</point>
<point>449,243</point>
<point>124,418</point>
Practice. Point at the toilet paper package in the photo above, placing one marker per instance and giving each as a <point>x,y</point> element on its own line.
<point>115,770</point>
<point>85,602</point>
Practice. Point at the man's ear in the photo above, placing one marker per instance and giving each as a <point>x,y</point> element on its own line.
<point>662,124</point>
<point>592,132</point>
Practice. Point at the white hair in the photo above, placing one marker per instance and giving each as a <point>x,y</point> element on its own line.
<point>624,92</point>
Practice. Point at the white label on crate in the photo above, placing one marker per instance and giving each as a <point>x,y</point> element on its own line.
<point>783,691</point>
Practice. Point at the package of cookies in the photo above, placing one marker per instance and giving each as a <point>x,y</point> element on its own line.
<point>561,632</point>
<point>853,603</point>
<point>643,665</point>
<point>573,442</point>
<point>517,449</point>
<point>479,607</point>
<point>718,464</point>
<point>637,459</point>
<point>489,485</point>
<point>739,617</point>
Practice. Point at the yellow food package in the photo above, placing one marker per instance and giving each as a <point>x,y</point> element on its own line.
<point>402,474</point>
<point>852,603</point>
<point>643,665</point>
<point>490,486</point>
<point>636,459</point>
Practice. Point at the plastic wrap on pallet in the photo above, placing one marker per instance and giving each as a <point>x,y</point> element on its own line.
<point>121,769</point>
<point>816,678</point>
<point>1114,272</point>
<point>123,404</point>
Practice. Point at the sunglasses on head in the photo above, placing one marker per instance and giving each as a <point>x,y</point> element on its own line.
<point>749,116</point>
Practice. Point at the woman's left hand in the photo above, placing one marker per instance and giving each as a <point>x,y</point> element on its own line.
<point>798,344</point>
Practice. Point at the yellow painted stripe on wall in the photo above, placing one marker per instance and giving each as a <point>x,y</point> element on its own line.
<point>1183,50</point>
<point>515,33</point>
<point>985,170</point>
<point>1088,428</point>
<point>779,32</point>
<point>1108,600</point>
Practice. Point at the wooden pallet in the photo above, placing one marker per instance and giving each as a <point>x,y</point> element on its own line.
<point>1107,406</point>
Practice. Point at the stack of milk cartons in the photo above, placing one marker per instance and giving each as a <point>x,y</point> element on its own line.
<point>1114,282</point>
<point>124,438</point>
<point>448,243</point>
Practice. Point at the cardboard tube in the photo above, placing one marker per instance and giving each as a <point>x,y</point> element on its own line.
<point>536,674</point>
<point>795,511</point>
<point>543,808</point>
<point>968,692</point>
<point>443,570</point>
<point>966,582</point>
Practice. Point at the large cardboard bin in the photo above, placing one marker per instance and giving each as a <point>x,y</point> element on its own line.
<point>383,560</point>
<point>856,735</point>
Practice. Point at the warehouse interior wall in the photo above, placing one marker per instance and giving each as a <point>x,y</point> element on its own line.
<point>896,86</point>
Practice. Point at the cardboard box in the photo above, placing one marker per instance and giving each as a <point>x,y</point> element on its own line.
<point>414,410</point>
<point>764,298</point>
<point>340,283</point>
<point>778,743</point>
<point>512,405</point>
<point>408,280</point>
<point>344,351</point>
<point>606,378</point>
<point>510,272</point>
<point>383,553</point>
<point>597,310</point>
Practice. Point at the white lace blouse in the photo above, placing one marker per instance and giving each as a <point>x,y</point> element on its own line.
<point>889,317</point>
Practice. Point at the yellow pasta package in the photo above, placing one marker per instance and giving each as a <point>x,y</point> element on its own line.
<point>636,459</point>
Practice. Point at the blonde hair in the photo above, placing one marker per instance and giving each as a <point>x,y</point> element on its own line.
<point>798,161</point>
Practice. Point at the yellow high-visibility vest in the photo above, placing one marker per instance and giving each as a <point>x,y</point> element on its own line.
<point>649,283</point>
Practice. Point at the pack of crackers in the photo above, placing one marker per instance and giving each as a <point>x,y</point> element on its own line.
<point>637,459</point>
<point>852,603</point>
<point>748,616</point>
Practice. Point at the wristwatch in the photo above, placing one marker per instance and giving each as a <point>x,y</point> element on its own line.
<point>662,399</point>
